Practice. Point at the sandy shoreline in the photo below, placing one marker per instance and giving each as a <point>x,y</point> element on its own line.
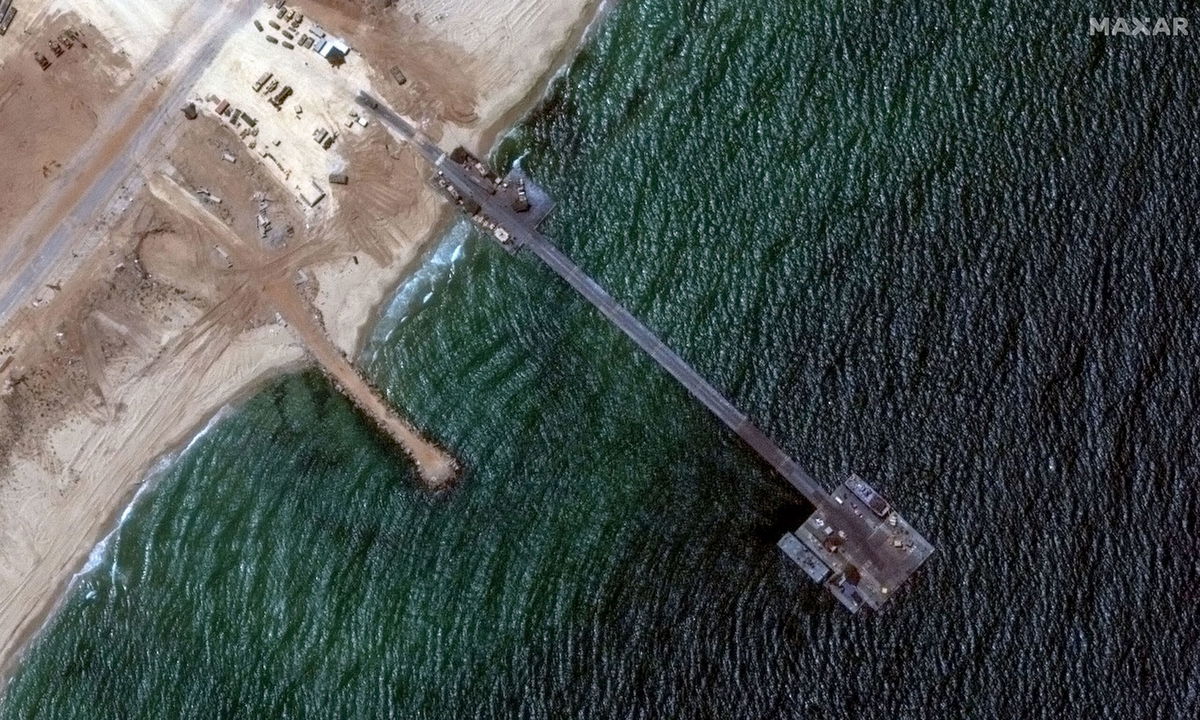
<point>591,15</point>
<point>37,617</point>
<point>54,515</point>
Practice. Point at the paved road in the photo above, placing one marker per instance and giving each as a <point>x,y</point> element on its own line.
<point>124,138</point>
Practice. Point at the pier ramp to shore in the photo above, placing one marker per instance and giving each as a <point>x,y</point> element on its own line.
<point>855,544</point>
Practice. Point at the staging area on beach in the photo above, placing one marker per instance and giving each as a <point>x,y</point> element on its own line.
<point>193,204</point>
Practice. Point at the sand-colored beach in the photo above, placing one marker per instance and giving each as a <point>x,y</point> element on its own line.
<point>126,324</point>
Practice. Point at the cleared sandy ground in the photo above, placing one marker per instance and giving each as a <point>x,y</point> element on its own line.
<point>140,328</point>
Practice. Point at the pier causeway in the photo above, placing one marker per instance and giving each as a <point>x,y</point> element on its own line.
<point>854,543</point>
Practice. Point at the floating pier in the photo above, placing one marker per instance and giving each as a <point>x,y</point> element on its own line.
<point>854,543</point>
<point>816,547</point>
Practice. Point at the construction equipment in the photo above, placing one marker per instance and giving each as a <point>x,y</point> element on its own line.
<point>7,13</point>
<point>282,97</point>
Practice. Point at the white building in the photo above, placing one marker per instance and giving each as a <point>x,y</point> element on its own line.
<point>333,49</point>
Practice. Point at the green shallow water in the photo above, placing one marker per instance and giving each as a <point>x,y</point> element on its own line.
<point>948,248</point>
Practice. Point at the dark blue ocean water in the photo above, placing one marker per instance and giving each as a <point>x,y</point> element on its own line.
<point>948,246</point>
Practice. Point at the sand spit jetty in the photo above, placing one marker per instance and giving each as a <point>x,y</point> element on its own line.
<point>273,281</point>
<point>125,321</point>
<point>437,468</point>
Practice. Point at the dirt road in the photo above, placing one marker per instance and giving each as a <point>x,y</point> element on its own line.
<point>110,162</point>
<point>271,280</point>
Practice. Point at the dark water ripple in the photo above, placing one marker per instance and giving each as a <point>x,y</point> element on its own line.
<point>950,248</point>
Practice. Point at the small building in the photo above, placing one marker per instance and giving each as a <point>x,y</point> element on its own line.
<point>311,195</point>
<point>333,49</point>
<point>339,178</point>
